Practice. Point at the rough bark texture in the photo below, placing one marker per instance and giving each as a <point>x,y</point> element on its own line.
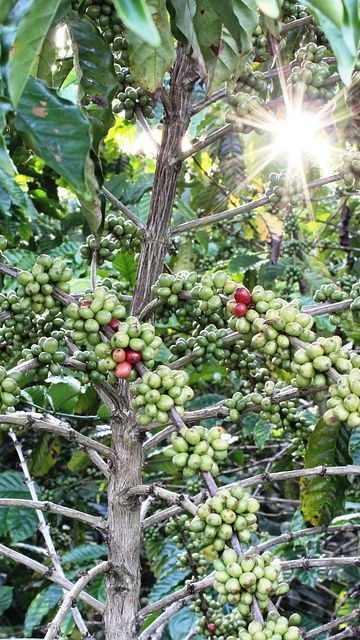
<point>124,530</point>
<point>124,533</point>
<point>176,121</point>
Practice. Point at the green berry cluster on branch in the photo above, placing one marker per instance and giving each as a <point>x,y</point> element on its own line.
<point>243,111</point>
<point>49,354</point>
<point>275,627</point>
<point>311,363</point>
<point>308,77</point>
<point>259,40</point>
<point>215,624</point>
<point>198,449</point>
<point>160,391</point>
<point>229,511</point>
<point>36,285</point>
<point>344,402</point>
<point>98,309</point>
<point>169,287</point>
<point>238,579</point>
<point>120,234</point>
<point>284,189</point>
<point>104,14</point>
<point>207,345</point>
<point>133,98</point>
<point>187,541</point>
<point>350,169</point>
<point>252,83</point>
<point>9,392</point>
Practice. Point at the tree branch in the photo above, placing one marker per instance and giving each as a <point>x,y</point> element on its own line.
<point>58,509</point>
<point>164,494</point>
<point>294,535</point>
<point>202,104</point>
<point>50,574</point>
<point>123,208</point>
<point>71,597</point>
<point>308,563</point>
<point>325,471</point>
<point>332,625</point>
<point>198,146</point>
<point>190,589</point>
<point>163,618</point>
<point>244,208</point>
<point>31,420</point>
<point>45,529</point>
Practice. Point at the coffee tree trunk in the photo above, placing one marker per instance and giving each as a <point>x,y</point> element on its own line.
<point>124,532</point>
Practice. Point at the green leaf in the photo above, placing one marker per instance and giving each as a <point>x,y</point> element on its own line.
<point>43,67</point>
<point>149,64</point>
<point>136,16</point>
<point>271,8</point>
<point>227,62</point>
<point>84,554</point>
<point>183,14</point>
<point>243,260</point>
<point>354,446</point>
<point>18,523</point>
<point>42,604</point>
<point>29,39</point>
<point>63,394</point>
<point>78,461</point>
<point>340,22</point>
<point>44,455</point>
<point>181,622</point>
<point>5,7</point>
<point>322,497</point>
<point>240,17</point>
<point>207,25</point>
<point>6,596</point>
<point>262,431</point>
<point>58,131</point>
<point>126,266</point>
<point>96,74</point>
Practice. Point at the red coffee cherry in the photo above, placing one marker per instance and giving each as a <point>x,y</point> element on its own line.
<point>240,309</point>
<point>133,356</point>
<point>123,370</point>
<point>242,294</point>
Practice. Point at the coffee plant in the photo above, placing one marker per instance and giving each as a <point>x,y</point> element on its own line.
<point>179,319</point>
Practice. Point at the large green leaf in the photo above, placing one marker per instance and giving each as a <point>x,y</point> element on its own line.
<point>227,62</point>
<point>59,133</point>
<point>20,524</point>
<point>183,12</point>
<point>354,446</point>
<point>84,554</point>
<point>322,497</point>
<point>5,7</point>
<point>6,596</point>
<point>63,394</point>
<point>96,74</point>
<point>40,606</point>
<point>125,264</point>
<point>29,39</point>
<point>136,16</point>
<point>271,8</point>
<point>240,17</point>
<point>340,22</point>
<point>149,64</point>
<point>207,25</point>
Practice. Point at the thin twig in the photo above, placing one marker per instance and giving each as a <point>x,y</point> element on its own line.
<point>93,269</point>
<point>50,574</point>
<point>71,597</point>
<point>123,208</point>
<point>58,509</point>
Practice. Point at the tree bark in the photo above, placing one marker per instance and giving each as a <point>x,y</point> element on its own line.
<point>124,529</point>
<point>176,120</point>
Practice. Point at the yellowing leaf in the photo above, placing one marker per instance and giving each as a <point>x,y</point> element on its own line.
<point>268,225</point>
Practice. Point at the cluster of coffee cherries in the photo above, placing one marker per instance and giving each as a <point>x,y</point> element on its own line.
<point>170,288</point>
<point>260,44</point>
<point>279,326</point>
<point>350,169</point>
<point>104,14</point>
<point>312,362</point>
<point>210,289</point>
<point>190,545</point>
<point>206,346</point>
<point>214,624</point>
<point>160,391</point>
<point>275,627</point>
<point>344,402</point>
<point>131,99</point>
<point>133,342</point>
<point>241,360</point>
<point>308,78</point>
<point>280,414</point>
<point>49,354</point>
<point>198,449</point>
<point>241,302</point>
<point>331,292</point>
<point>284,189</point>
<point>119,234</point>
<point>243,106</point>
<point>9,392</point>
<point>252,82</point>
<point>36,285</point>
<point>238,579</point>
<point>98,309</point>
<point>16,325</point>
<point>228,511</point>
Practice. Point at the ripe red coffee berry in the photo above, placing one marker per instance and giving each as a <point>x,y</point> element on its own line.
<point>242,294</point>
<point>133,356</point>
<point>114,324</point>
<point>119,355</point>
<point>240,309</point>
<point>211,627</point>
<point>123,369</point>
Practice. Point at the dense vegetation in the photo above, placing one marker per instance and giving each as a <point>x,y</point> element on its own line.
<point>180,315</point>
